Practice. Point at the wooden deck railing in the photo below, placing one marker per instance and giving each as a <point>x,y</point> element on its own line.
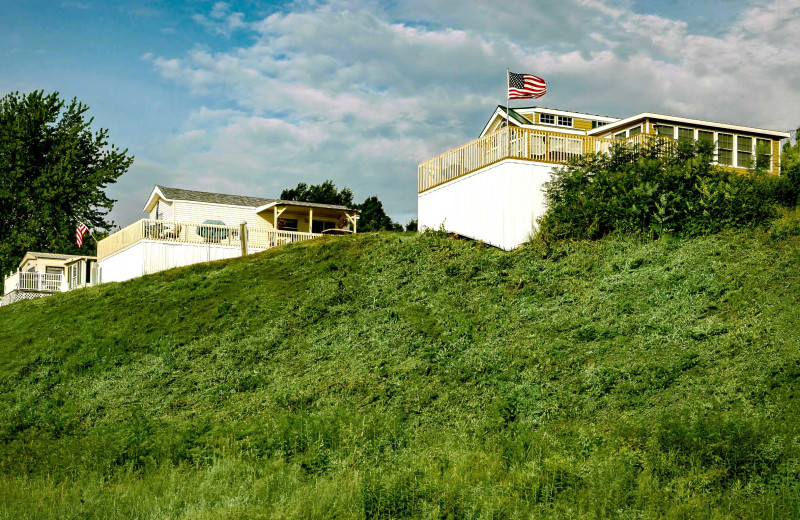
<point>196,233</point>
<point>33,281</point>
<point>526,144</point>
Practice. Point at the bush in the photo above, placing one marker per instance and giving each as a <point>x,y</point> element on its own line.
<point>656,189</point>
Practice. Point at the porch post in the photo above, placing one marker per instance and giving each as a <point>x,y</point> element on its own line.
<point>310,220</point>
<point>243,237</point>
<point>355,219</point>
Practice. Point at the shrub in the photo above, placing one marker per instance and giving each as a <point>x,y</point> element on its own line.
<point>656,189</point>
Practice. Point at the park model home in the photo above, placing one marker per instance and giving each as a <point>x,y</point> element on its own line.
<point>43,274</point>
<point>186,227</point>
<point>491,188</point>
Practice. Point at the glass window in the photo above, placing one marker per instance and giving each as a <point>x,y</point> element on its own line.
<point>667,130</point>
<point>703,135</point>
<point>287,224</point>
<point>596,124</point>
<point>547,119</point>
<point>53,270</point>
<point>744,152</point>
<point>564,121</point>
<point>686,135</point>
<point>725,145</point>
<point>635,130</point>
<point>620,135</point>
<point>764,153</point>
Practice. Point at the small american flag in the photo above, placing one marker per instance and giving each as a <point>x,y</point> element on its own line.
<point>79,232</point>
<point>525,86</point>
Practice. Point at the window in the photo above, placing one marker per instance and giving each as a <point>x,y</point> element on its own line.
<point>597,124</point>
<point>547,119</point>
<point>666,130</point>
<point>318,226</point>
<point>703,135</point>
<point>564,121</point>
<point>635,131</point>
<point>620,135</point>
<point>764,153</point>
<point>725,145</point>
<point>53,270</point>
<point>744,152</point>
<point>287,224</point>
<point>685,135</point>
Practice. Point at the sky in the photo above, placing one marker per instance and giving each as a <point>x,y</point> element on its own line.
<point>250,97</point>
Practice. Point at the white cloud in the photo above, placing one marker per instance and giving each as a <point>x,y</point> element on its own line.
<point>360,91</point>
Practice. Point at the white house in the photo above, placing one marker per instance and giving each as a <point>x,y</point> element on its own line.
<point>185,227</point>
<point>490,189</point>
<point>43,274</point>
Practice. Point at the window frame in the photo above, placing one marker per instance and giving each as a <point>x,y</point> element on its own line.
<point>744,152</point>
<point>550,116</point>
<point>720,149</point>
<point>565,119</point>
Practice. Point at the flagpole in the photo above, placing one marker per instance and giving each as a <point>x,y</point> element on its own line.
<point>508,110</point>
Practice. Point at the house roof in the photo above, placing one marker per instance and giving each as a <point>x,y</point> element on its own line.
<point>34,255</point>
<point>230,200</point>
<point>687,121</point>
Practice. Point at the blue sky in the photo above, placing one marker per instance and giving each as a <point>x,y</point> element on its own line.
<point>252,97</point>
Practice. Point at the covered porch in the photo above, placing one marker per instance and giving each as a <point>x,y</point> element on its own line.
<point>303,217</point>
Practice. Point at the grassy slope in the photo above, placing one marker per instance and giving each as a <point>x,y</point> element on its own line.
<point>394,375</point>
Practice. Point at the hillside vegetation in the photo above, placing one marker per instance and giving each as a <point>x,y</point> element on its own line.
<point>395,375</point>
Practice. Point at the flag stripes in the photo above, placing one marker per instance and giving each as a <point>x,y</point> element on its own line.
<point>525,86</point>
<point>80,231</point>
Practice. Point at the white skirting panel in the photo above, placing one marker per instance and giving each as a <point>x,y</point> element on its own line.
<point>498,204</point>
<point>148,257</point>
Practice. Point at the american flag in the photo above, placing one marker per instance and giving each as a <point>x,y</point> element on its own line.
<point>79,232</point>
<point>525,86</point>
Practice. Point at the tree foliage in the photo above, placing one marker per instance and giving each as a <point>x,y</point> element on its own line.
<point>53,174</point>
<point>790,163</point>
<point>657,189</point>
<point>325,193</point>
<point>373,216</point>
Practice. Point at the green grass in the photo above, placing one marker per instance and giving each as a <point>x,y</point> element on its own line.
<point>395,375</point>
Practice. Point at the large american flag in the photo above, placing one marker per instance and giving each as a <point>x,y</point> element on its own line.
<point>79,232</point>
<point>525,86</point>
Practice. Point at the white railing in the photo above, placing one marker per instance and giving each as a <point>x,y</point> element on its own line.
<point>41,282</point>
<point>196,233</point>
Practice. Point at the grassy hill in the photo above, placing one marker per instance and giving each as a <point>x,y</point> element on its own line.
<point>395,375</point>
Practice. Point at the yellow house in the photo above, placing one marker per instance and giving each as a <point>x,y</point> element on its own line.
<point>509,165</point>
<point>187,226</point>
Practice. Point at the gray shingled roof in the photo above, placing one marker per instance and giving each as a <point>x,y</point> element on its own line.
<point>51,256</point>
<point>236,200</point>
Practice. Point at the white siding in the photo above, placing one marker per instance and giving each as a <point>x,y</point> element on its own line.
<point>231,215</point>
<point>148,257</point>
<point>498,204</point>
<point>164,209</point>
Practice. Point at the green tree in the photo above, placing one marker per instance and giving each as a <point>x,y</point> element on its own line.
<point>325,193</point>
<point>53,174</point>
<point>373,216</point>
<point>790,162</point>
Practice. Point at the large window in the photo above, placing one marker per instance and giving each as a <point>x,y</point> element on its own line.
<point>764,153</point>
<point>703,135</point>
<point>318,226</point>
<point>744,151</point>
<point>547,119</point>
<point>287,224</point>
<point>686,135</point>
<point>564,121</point>
<point>666,130</point>
<point>620,135</point>
<point>635,131</point>
<point>725,146</point>
<point>596,124</point>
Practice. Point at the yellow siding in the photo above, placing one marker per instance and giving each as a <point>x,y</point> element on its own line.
<point>537,118</point>
<point>776,154</point>
<point>529,117</point>
<point>582,124</point>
